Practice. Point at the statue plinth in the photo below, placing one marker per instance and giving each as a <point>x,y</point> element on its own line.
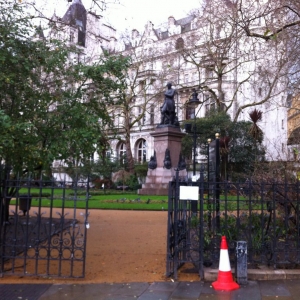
<point>157,180</point>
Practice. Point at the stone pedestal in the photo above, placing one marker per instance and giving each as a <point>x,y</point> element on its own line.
<point>157,180</point>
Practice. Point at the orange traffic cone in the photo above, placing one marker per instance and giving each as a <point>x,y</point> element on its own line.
<point>225,280</point>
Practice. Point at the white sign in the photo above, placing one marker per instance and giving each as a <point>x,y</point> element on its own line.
<point>189,193</point>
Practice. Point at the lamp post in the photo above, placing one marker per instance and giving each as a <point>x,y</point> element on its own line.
<point>193,103</point>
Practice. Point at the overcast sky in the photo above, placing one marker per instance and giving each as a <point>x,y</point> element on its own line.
<point>132,14</point>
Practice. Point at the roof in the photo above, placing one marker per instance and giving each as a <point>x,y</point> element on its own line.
<point>76,16</point>
<point>185,24</point>
<point>39,32</point>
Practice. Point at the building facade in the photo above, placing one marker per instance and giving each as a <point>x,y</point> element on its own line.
<point>226,72</point>
<point>226,69</point>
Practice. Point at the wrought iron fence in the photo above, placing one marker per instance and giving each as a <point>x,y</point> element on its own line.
<point>264,214</point>
<point>42,230</point>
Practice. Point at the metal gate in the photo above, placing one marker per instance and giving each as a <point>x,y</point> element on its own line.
<point>43,227</point>
<point>265,215</point>
<point>184,233</point>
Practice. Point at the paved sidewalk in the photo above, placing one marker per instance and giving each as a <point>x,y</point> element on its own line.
<point>255,290</point>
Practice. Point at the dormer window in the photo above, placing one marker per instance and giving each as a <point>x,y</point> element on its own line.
<point>71,37</point>
<point>79,25</point>
<point>194,24</point>
<point>179,44</point>
<point>171,21</point>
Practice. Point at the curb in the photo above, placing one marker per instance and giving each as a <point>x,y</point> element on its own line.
<point>257,274</point>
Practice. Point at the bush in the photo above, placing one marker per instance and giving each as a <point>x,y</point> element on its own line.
<point>132,183</point>
<point>141,170</point>
<point>99,182</point>
<point>37,195</point>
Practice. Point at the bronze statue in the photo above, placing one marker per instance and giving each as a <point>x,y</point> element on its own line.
<point>168,114</point>
<point>167,160</point>
<point>181,163</point>
<point>152,164</point>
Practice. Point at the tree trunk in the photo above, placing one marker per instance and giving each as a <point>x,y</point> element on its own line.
<point>220,93</point>
<point>129,156</point>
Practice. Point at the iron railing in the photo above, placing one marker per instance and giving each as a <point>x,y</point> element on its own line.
<point>43,232</point>
<point>264,214</point>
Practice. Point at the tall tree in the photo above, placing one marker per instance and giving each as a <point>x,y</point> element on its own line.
<point>141,95</point>
<point>235,71</point>
<point>239,149</point>
<point>279,23</point>
<point>50,107</point>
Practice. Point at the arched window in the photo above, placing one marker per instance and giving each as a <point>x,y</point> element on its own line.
<point>141,150</point>
<point>179,44</point>
<point>122,153</point>
<point>189,113</point>
<point>152,114</point>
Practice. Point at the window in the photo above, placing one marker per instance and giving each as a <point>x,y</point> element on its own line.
<point>143,119</point>
<point>108,154</point>
<point>186,78</point>
<point>195,77</point>
<point>179,44</point>
<point>149,66</point>
<point>151,85</point>
<point>142,85</point>
<point>210,104</point>
<point>71,37</point>
<point>122,153</point>
<point>189,113</point>
<point>141,150</point>
<point>152,114</point>
<point>209,73</point>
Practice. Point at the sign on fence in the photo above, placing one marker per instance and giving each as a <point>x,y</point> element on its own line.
<point>189,193</point>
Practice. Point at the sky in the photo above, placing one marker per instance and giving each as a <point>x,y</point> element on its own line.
<point>132,14</point>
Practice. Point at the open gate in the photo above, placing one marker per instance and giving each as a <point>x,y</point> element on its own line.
<point>186,220</point>
<point>184,233</point>
<point>43,228</point>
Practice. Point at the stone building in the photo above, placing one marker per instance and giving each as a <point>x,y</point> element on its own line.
<point>165,53</point>
<point>191,54</point>
<point>86,30</point>
<point>294,128</point>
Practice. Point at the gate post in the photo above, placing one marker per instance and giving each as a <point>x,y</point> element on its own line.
<point>201,224</point>
<point>241,262</point>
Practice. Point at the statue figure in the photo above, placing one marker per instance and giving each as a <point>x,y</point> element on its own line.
<point>167,160</point>
<point>168,115</point>
<point>152,164</point>
<point>181,163</point>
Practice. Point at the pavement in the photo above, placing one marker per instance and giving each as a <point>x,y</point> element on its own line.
<point>279,289</point>
<point>263,284</point>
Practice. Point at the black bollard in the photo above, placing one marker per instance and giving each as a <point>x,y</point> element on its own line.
<point>25,203</point>
<point>241,269</point>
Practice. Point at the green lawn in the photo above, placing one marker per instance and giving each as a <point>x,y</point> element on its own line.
<point>109,199</point>
<point>112,199</point>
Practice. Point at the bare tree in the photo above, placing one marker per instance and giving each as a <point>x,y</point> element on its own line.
<point>142,94</point>
<point>240,70</point>
<point>275,22</point>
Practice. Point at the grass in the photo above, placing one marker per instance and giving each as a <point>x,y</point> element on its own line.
<point>112,199</point>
